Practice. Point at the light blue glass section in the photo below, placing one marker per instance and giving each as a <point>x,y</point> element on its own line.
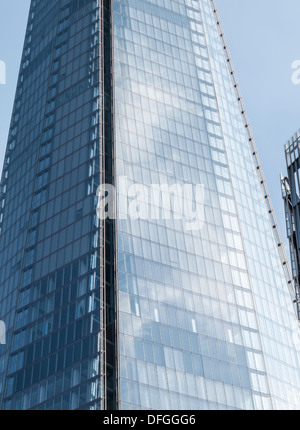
<point>192,335</point>
<point>276,317</point>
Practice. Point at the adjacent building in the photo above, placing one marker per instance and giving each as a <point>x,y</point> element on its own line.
<point>290,187</point>
<point>138,312</point>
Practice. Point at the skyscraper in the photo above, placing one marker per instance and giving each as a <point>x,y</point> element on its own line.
<point>138,312</point>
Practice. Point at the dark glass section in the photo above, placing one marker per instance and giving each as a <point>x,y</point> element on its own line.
<point>50,259</point>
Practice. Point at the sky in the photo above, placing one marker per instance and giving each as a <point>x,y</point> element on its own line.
<point>13,20</point>
<point>263,39</point>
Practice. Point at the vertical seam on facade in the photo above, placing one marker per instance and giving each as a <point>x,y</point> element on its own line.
<point>102,334</point>
<point>115,232</point>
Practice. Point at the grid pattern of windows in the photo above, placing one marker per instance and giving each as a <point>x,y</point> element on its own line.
<point>194,329</point>
<point>277,321</point>
<point>50,286</point>
<point>204,317</point>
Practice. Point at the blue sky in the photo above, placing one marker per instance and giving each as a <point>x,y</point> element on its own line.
<point>13,19</point>
<point>263,38</point>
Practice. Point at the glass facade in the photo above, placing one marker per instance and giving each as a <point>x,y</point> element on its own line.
<point>50,286</point>
<point>290,187</point>
<point>206,320</point>
<point>136,313</point>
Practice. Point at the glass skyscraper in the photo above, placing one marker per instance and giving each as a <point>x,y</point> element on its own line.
<point>138,313</point>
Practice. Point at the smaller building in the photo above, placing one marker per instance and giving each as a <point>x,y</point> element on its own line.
<point>290,186</point>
